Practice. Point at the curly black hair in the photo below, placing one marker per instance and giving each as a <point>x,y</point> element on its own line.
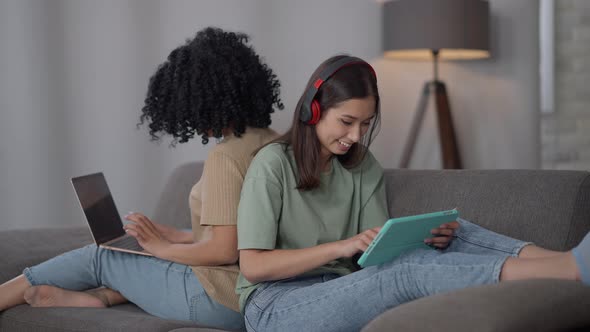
<point>212,82</point>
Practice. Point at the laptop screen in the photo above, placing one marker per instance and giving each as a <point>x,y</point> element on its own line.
<point>99,208</point>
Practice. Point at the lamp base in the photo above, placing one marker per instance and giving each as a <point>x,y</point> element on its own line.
<point>451,158</point>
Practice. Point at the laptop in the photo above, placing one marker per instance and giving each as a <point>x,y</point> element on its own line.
<point>102,216</point>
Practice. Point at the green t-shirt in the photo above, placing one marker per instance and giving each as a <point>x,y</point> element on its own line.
<point>273,214</point>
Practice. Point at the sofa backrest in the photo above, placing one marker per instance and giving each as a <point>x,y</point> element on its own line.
<point>172,208</point>
<point>550,208</point>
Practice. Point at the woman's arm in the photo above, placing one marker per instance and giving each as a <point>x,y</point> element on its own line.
<point>220,248</point>
<point>266,265</point>
<point>220,187</point>
<point>173,234</point>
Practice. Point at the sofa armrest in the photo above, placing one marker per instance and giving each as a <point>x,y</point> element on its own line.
<point>530,305</point>
<point>24,248</point>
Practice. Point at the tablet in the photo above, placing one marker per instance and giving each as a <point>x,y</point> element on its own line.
<point>403,234</point>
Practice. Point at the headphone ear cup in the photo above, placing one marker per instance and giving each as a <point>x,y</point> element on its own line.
<point>315,112</point>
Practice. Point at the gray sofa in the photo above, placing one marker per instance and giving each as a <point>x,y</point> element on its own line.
<point>550,208</point>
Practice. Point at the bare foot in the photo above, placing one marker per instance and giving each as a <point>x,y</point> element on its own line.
<point>50,296</point>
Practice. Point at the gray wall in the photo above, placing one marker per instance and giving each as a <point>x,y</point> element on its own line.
<point>565,135</point>
<point>494,102</point>
<point>74,74</point>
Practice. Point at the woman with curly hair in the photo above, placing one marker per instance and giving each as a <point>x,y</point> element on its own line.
<point>215,85</point>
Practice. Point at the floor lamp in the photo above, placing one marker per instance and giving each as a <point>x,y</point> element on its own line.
<point>435,30</point>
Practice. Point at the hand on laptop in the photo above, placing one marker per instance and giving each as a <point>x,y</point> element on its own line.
<point>443,235</point>
<point>147,233</point>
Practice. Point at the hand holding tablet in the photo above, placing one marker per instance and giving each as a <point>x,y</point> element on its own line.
<point>402,234</point>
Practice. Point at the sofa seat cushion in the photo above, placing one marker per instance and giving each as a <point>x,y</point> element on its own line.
<point>529,305</point>
<point>126,317</point>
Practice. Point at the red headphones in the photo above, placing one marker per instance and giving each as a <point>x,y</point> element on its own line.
<point>310,108</point>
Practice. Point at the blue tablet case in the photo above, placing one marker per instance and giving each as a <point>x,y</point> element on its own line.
<point>403,234</point>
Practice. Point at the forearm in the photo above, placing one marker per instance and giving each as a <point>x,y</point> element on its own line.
<point>202,253</point>
<point>184,237</point>
<point>266,265</point>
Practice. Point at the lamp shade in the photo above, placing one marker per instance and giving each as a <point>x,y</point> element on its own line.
<point>458,29</point>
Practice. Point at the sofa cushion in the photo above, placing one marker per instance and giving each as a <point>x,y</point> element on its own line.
<point>173,208</point>
<point>126,317</point>
<point>24,248</point>
<point>549,208</point>
<point>532,305</point>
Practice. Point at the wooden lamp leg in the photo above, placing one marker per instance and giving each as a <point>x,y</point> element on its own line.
<point>416,125</point>
<point>451,158</point>
<point>448,140</point>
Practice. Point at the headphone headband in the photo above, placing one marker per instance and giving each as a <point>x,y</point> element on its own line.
<point>310,109</point>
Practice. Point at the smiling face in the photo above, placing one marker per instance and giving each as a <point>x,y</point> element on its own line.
<point>343,125</point>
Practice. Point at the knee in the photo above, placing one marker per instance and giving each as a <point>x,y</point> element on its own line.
<point>92,253</point>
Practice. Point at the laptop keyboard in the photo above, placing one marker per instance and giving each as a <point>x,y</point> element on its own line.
<point>127,242</point>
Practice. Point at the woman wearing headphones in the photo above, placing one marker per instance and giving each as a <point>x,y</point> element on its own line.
<point>315,198</point>
<point>215,85</point>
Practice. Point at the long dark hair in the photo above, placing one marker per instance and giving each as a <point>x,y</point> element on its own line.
<point>355,81</point>
<point>212,82</point>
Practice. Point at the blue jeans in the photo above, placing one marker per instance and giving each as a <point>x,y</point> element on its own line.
<point>161,288</point>
<point>334,303</point>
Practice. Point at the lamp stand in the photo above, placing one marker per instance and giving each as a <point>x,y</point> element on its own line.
<point>450,152</point>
